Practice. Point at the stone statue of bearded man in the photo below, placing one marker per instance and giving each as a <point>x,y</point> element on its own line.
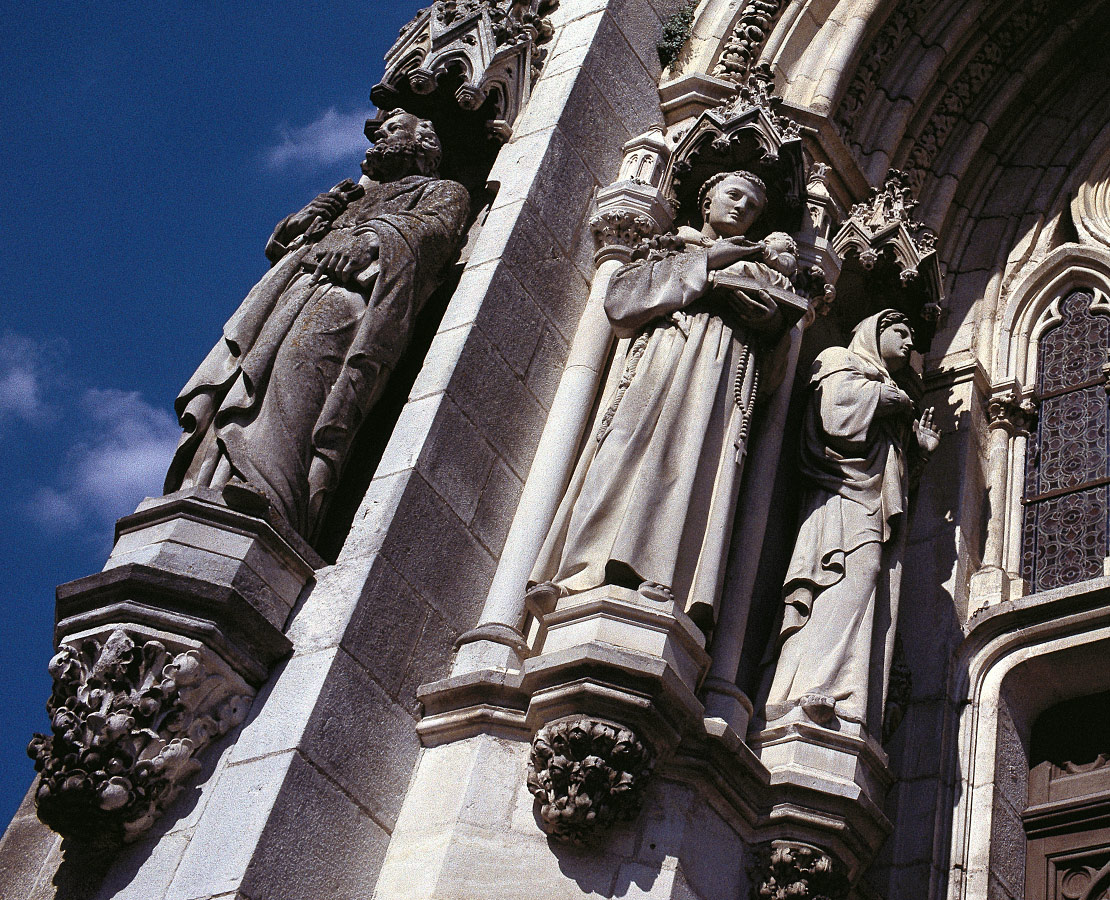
<point>271,413</point>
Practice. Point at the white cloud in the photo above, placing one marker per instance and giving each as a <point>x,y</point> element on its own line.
<point>122,459</point>
<point>332,137</point>
<point>28,368</point>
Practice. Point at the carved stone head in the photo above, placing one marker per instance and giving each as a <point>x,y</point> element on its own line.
<point>731,203</point>
<point>404,144</point>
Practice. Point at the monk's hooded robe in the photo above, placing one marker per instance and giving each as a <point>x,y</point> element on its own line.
<point>837,640</point>
<point>304,359</point>
<point>653,497</point>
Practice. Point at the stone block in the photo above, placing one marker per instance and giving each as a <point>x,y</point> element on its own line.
<point>283,710</point>
<point>494,515</point>
<point>492,397</point>
<point>548,103</point>
<point>439,364</point>
<point>410,435</point>
<point>1007,847</point>
<point>456,460</point>
<point>1011,770</point>
<point>489,800</point>
<point>546,368</point>
<point>712,857</point>
<point>561,198</point>
<point>620,617</point>
<point>24,850</point>
<point>385,627</point>
<point>642,26</point>
<point>636,881</point>
<point>150,874</point>
<point>620,74</point>
<point>317,844</point>
<point>597,129</point>
<point>430,659</point>
<point>228,833</point>
<point>498,228</point>
<point>908,881</point>
<point>918,803</point>
<point>918,738</point>
<point>362,740</point>
<point>573,44</point>
<point>455,577</point>
<point>511,320</point>
<point>515,170</point>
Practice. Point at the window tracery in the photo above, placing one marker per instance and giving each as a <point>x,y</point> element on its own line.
<point>1066,534</point>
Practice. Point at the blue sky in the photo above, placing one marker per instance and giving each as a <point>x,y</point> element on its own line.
<point>149,150</point>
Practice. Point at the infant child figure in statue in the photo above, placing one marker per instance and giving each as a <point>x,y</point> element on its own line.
<point>651,502</point>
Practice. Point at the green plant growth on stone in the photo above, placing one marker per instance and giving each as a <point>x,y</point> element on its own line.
<point>676,30</point>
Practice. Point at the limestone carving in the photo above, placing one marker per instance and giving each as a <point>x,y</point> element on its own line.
<point>785,870</point>
<point>1011,412</point>
<point>128,718</point>
<point>882,229</point>
<point>890,39</point>
<point>861,438</point>
<point>1090,208</point>
<point>271,413</point>
<point>651,502</point>
<point>621,227</point>
<point>995,52</point>
<point>489,51</point>
<point>741,49</point>
<point>586,775</point>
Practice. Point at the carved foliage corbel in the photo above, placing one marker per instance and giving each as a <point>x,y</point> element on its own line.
<point>129,715</point>
<point>587,775</point>
<point>787,870</point>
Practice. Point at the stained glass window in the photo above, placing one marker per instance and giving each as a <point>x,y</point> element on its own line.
<point>1067,475</point>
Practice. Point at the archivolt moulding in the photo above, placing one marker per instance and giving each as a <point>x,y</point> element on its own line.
<point>1032,305</point>
<point>1091,207</point>
<point>1028,654</point>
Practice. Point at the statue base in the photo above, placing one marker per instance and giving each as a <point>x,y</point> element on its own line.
<point>624,618</point>
<point>187,564</point>
<point>829,784</point>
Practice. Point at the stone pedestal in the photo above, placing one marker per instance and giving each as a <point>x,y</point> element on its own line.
<point>159,654</point>
<point>828,787</point>
<point>621,617</point>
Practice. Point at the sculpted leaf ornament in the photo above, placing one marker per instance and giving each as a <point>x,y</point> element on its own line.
<point>586,775</point>
<point>128,718</point>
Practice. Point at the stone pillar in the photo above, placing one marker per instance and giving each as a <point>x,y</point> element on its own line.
<point>1009,418</point>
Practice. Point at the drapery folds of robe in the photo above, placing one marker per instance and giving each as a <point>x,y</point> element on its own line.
<point>842,586</point>
<point>303,359</point>
<point>653,496</point>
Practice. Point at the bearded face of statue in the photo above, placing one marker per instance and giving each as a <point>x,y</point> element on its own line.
<point>733,206</point>
<point>403,145</point>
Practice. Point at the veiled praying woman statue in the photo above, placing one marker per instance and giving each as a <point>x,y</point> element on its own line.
<point>651,503</point>
<point>860,442</point>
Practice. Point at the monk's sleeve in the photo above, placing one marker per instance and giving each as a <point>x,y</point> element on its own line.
<point>647,289</point>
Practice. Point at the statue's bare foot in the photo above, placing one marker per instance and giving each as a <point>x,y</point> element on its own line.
<point>818,707</point>
<point>660,593</point>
